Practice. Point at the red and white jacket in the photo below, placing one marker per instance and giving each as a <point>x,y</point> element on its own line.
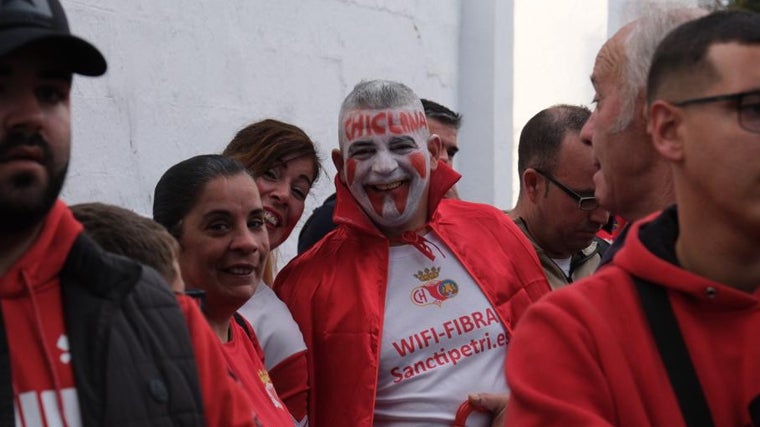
<point>336,292</point>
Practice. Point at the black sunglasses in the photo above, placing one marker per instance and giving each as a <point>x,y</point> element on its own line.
<point>585,203</point>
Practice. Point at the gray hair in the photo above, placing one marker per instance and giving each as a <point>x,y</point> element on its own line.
<point>646,33</point>
<point>376,95</point>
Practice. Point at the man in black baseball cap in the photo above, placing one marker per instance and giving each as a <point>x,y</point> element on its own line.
<point>86,338</point>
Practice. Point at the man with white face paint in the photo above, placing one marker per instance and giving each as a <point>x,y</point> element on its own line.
<point>385,168</point>
<point>407,307</point>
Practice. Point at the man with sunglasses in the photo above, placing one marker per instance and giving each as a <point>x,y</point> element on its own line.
<point>667,334</point>
<point>556,207</point>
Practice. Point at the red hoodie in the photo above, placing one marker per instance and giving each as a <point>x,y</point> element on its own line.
<point>30,293</point>
<point>584,355</point>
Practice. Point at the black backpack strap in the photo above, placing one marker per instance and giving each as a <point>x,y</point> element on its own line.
<point>674,354</point>
<point>754,411</point>
<point>243,324</point>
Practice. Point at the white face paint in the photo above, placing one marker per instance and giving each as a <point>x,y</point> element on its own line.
<point>387,166</point>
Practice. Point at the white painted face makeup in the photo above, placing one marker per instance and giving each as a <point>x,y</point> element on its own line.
<point>387,165</point>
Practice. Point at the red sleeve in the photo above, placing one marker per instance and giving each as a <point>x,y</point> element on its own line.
<point>298,296</point>
<point>553,372</point>
<point>225,403</point>
<point>290,379</point>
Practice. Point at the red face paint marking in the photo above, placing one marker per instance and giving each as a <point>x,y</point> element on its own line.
<point>405,125</point>
<point>367,123</point>
<point>418,161</point>
<point>414,122</point>
<point>347,129</point>
<point>350,171</point>
<point>400,196</point>
<point>354,127</point>
<point>377,199</point>
<point>378,126</point>
<point>394,125</point>
<point>422,118</point>
<point>388,121</point>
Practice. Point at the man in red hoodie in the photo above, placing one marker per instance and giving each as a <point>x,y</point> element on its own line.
<point>667,334</point>
<point>86,338</point>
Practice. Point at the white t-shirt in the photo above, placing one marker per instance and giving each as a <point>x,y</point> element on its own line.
<point>442,340</point>
<point>275,328</point>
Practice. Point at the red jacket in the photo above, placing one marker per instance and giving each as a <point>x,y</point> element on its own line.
<point>33,315</point>
<point>585,356</point>
<point>336,292</point>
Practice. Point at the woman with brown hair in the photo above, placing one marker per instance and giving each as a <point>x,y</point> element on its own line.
<point>285,165</point>
<point>211,205</point>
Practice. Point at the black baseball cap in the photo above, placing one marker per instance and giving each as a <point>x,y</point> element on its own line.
<point>27,22</point>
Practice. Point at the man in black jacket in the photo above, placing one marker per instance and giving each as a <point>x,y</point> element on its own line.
<point>87,338</point>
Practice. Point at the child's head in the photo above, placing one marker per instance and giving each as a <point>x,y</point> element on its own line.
<point>126,233</point>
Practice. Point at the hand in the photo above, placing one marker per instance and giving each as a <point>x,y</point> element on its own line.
<point>496,404</point>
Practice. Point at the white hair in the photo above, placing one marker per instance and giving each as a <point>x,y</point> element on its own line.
<point>376,95</point>
<point>647,31</point>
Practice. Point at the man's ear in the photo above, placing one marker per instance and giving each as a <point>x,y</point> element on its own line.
<point>530,184</point>
<point>665,127</point>
<point>337,158</point>
<point>434,146</point>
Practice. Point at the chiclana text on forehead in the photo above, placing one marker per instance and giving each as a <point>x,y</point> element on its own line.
<point>390,121</point>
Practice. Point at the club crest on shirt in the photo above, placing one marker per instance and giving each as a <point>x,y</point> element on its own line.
<point>269,387</point>
<point>432,290</point>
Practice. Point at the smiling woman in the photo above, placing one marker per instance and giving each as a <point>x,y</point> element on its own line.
<point>284,162</point>
<point>211,205</point>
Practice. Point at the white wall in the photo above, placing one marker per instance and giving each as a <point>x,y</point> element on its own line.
<point>185,75</point>
<point>485,94</point>
<point>555,46</point>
